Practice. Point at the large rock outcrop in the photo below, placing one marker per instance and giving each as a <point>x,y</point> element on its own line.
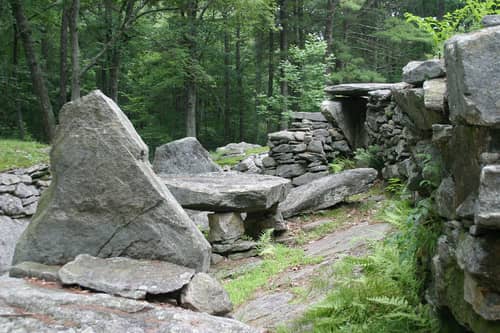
<point>28,307</point>
<point>327,191</point>
<point>186,155</point>
<point>466,267</point>
<point>474,77</point>
<point>104,199</point>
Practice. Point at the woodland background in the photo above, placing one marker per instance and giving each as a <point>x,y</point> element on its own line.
<point>221,70</point>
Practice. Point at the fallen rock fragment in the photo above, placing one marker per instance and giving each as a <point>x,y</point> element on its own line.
<point>205,294</point>
<point>35,270</point>
<point>125,277</point>
<point>327,191</point>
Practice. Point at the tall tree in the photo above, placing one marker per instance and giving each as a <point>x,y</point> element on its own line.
<point>330,12</point>
<point>283,19</point>
<point>75,50</point>
<point>37,78</point>
<point>227,80</point>
<point>63,54</point>
<point>15,64</point>
<point>191,84</point>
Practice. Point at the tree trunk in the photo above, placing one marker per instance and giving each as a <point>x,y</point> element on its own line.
<point>270,76</point>
<point>44,49</point>
<point>15,63</point>
<point>35,70</point>
<point>75,50</point>
<point>259,57</point>
<point>227,84</point>
<point>300,24</point>
<point>116,59</point>
<point>441,9</point>
<point>330,11</point>
<point>63,57</point>
<point>191,76</point>
<point>191,109</point>
<point>283,57</point>
<point>108,20</point>
<point>114,73</point>
<point>239,81</point>
<point>270,73</point>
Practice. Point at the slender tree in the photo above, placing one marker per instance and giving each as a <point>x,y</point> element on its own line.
<point>63,54</point>
<point>283,19</point>
<point>75,50</point>
<point>37,78</point>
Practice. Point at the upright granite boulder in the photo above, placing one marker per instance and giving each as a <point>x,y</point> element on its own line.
<point>183,156</point>
<point>104,199</point>
<point>474,77</point>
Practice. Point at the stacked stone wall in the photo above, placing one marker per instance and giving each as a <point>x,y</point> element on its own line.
<point>302,152</point>
<point>20,190</point>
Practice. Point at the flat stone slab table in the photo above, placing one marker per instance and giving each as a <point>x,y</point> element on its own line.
<point>223,192</point>
<point>361,89</point>
<point>227,191</point>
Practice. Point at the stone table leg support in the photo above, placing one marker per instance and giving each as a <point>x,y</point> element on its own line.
<point>258,222</point>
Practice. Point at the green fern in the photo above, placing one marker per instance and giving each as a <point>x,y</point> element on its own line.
<point>382,291</point>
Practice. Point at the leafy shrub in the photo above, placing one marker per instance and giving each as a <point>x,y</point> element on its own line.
<point>370,157</point>
<point>463,19</point>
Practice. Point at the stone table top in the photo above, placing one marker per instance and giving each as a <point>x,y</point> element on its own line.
<point>361,89</point>
<point>227,191</point>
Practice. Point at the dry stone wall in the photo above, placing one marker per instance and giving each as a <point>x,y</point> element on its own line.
<point>466,268</point>
<point>302,152</point>
<point>20,190</point>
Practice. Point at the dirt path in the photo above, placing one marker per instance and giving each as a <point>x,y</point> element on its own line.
<point>289,294</point>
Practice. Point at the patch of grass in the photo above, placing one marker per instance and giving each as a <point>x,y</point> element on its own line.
<point>21,154</point>
<point>376,190</point>
<point>356,204</point>
<point>277,258</point>
<point>341,163</point>
<point>382,291</point>
<point>317,233</point>
<point>234,160</point>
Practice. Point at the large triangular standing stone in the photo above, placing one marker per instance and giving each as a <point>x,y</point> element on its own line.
<point>104,199</point>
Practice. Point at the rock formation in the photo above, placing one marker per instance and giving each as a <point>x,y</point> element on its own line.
<point>104,199</point>
<point>466,267</point>
<point>28,307</point>
<point>327,191</point>
<point>184,156</point>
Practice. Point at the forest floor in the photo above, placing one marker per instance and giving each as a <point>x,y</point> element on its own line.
<point>22,154</point>
<point>322,239</point>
